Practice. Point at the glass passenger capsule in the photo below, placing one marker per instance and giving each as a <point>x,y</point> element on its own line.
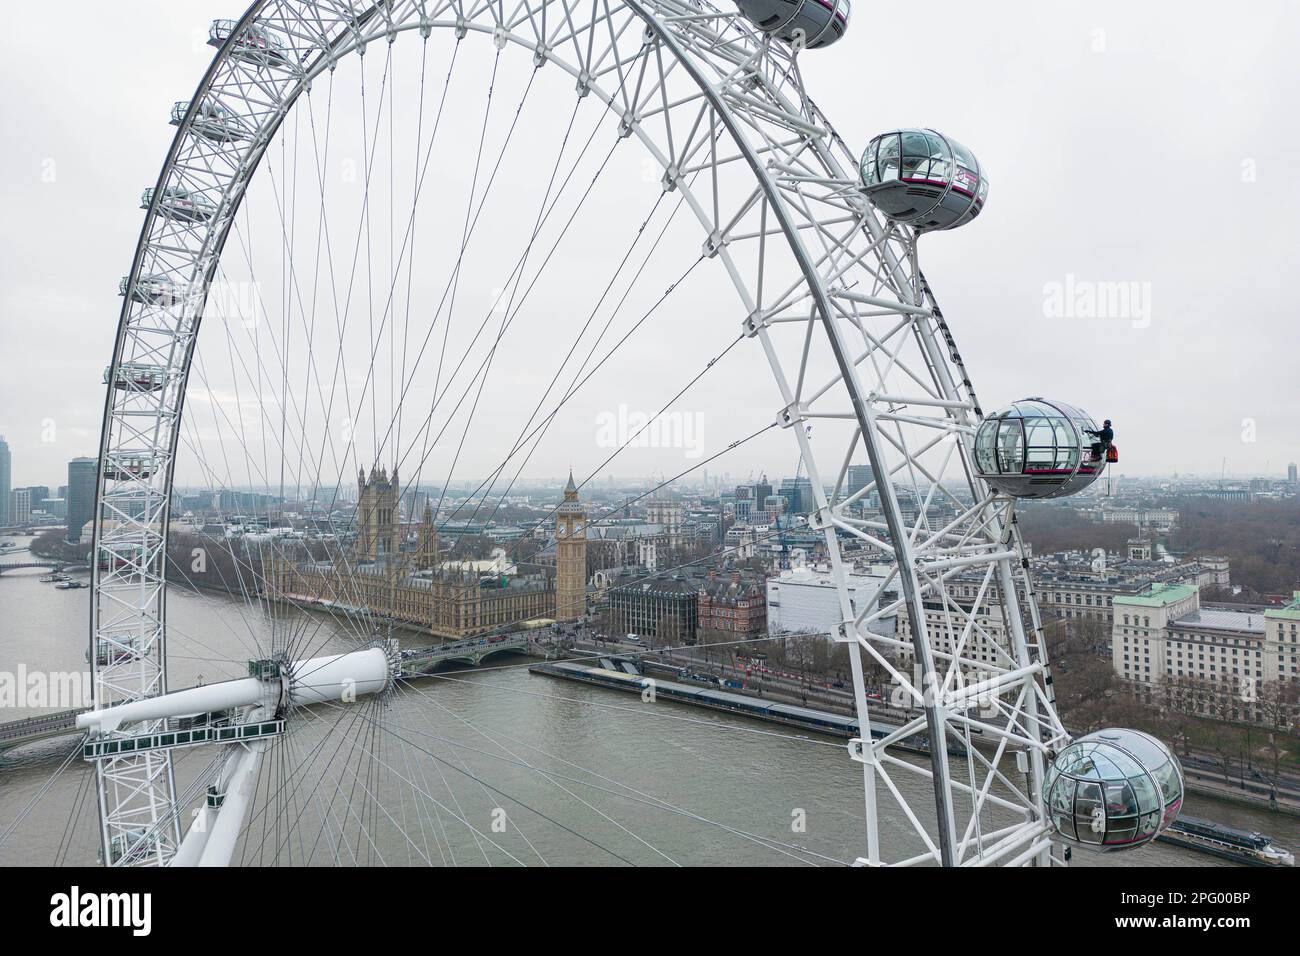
<point>127,468</point>
<point>119,557</point>
<point>137,378</point>
<point>179,203</point>
<point>212,120</point>
<point>114,652</point>
<point>1113,790</point>
<point>804,24</point>
<point>921,178</point>
<point>254,44</point>
<point>1037,449</point>
<point>151,290</point>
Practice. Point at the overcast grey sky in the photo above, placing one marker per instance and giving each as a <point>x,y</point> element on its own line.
<point>1154,145</point>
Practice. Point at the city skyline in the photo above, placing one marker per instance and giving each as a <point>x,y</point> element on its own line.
<point>557,480</point>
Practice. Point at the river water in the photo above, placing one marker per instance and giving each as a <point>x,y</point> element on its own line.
<point>451,770</point>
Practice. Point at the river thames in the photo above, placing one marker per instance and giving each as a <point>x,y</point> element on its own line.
<point>493,766</point>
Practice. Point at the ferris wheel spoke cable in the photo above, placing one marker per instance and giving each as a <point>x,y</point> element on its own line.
<point>541,219</point>
<point>319,161</point>
<point>525,436</point>
<point>627,792</point>
<point>547,207</point>
<point>36,797</point>
<point>300,412</point>
<point>441,832</point>
<point>505,325</point>
<point>429,822</point>
<point>459,810</point>
<point>522,762</point>
<point>370,799</point>
<point>239,563</point>
<point>460,758</point>
<point>559,370</point>
<point>305,764</point>
<point>75,817</point>
<point>741,728</point>
<point>382,725</point>
<point>262,807</point>
<point>353,740</point>
<point>501,793</point>
<point>541,428</point>
<point>341,320</point>
<point>241,434</point>
<point>458,814</point>
<point>330,828</point>
<point>418,174</point>
<point>324,235</point>
<point>244,620</point>
<point>365,216</point>
<point>421,818</point>
<point>466,234</point>
<point>546,216</point>
<point>428,154</point>
<point>467,231</point>
<point>623,791</point>
<point>360,633</point>
<point>425,430</point>
<point>173,813</point>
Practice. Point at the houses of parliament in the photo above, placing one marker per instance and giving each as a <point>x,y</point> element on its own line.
<point>396,571</point>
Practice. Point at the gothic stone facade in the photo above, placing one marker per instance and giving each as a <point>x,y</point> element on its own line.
<point>396,573</point>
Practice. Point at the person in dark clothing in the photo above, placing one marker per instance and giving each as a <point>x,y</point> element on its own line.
<point>1104,437</point>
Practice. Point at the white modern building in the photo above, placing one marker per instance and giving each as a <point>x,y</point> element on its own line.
<point>1162,519</point>
<point>804,600</point>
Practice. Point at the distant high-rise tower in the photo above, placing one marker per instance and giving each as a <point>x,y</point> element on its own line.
<point>6,479</point>
<point>1290,470</point>
<point>859,477</point>
<point>20,506</point>
<point>83,473</point>
<point>570,556</point>
<point>378,522</point>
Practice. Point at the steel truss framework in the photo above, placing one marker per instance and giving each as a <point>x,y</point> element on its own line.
<point>818,274</point>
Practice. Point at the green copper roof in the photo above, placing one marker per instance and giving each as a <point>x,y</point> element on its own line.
<point>1158,595</point>
<point>1290,612</point>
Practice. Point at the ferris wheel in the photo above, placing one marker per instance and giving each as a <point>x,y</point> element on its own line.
<point>313,298</point>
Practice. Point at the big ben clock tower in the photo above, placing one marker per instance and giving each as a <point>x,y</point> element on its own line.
<point>570,556</point>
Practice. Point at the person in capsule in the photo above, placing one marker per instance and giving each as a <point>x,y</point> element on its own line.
<point>1104,437</point>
